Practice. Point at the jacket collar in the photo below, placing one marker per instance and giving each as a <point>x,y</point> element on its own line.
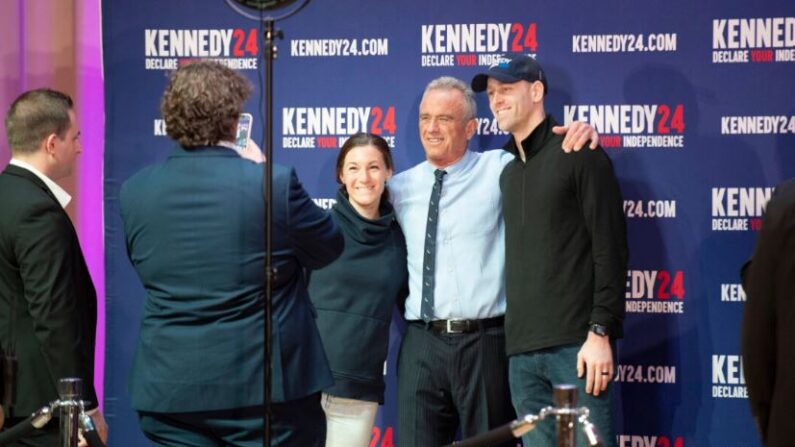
<point>203,151</point>
<point>535,141</point>
<point>361,229</point>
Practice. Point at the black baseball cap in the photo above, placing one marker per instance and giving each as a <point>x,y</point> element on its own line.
<point>510,68</point>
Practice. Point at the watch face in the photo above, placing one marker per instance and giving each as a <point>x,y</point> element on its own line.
<point>599,329</point>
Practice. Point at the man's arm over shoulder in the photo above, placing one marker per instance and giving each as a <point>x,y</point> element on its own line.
<point>600,199</point>
<point>313,233</point>
<point>576,135</point>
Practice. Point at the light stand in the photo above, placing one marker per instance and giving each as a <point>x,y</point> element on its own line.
<point>269,53</point>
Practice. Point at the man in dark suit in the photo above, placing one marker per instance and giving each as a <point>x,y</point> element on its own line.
<point>768,336</point>
<point>48,306</point>
<point>194,227</point>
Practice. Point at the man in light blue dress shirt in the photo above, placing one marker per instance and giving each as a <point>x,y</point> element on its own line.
<point>452,370</point>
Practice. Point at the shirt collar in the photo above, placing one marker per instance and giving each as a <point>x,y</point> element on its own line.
<point>60,194</point>
<point>456,167</point>
<point>228,145</point>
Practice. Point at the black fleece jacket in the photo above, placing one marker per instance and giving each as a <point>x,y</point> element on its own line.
<point>565,243</point>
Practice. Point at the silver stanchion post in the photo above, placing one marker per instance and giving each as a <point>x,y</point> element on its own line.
<point>565,396</point>
<point>567,416</point>
<point>72,418</point>
<point>70,390</point>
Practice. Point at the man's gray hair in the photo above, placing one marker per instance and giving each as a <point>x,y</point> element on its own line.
<point>451,83</point>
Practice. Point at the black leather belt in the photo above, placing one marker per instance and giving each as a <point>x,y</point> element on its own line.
<point>460,326</point>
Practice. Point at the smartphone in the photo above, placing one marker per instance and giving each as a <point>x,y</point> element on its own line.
<point>243,131</point>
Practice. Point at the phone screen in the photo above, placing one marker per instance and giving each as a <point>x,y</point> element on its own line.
<point>243,131</point>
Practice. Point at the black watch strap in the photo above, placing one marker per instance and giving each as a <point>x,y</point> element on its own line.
<point>599,329</point>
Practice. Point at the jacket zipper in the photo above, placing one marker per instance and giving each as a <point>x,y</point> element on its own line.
<point>524,191</point>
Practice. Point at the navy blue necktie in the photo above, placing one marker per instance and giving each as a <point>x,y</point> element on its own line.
<point>429,259</point>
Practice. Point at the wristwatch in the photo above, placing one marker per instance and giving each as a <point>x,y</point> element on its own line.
<point>598,329</point>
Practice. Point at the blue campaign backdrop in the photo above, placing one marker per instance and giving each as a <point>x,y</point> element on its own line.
<point>690,99</point>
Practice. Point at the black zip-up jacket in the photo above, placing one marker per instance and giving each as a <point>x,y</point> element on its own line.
<point>565,243</point>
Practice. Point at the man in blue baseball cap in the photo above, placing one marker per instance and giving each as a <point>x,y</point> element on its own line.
<point>565,251</point>
<point>510,68</point>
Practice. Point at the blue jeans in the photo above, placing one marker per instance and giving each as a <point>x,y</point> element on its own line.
<point>531,377</point>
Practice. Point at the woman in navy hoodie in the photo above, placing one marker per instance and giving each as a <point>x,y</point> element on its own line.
<point>356,294</point>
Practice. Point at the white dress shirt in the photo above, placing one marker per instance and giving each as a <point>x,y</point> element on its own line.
<point>60,194</point>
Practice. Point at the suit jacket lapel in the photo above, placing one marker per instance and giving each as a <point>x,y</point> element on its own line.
<point>24,173</point>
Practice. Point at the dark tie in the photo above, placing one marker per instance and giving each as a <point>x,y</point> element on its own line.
<point>429,260</point>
